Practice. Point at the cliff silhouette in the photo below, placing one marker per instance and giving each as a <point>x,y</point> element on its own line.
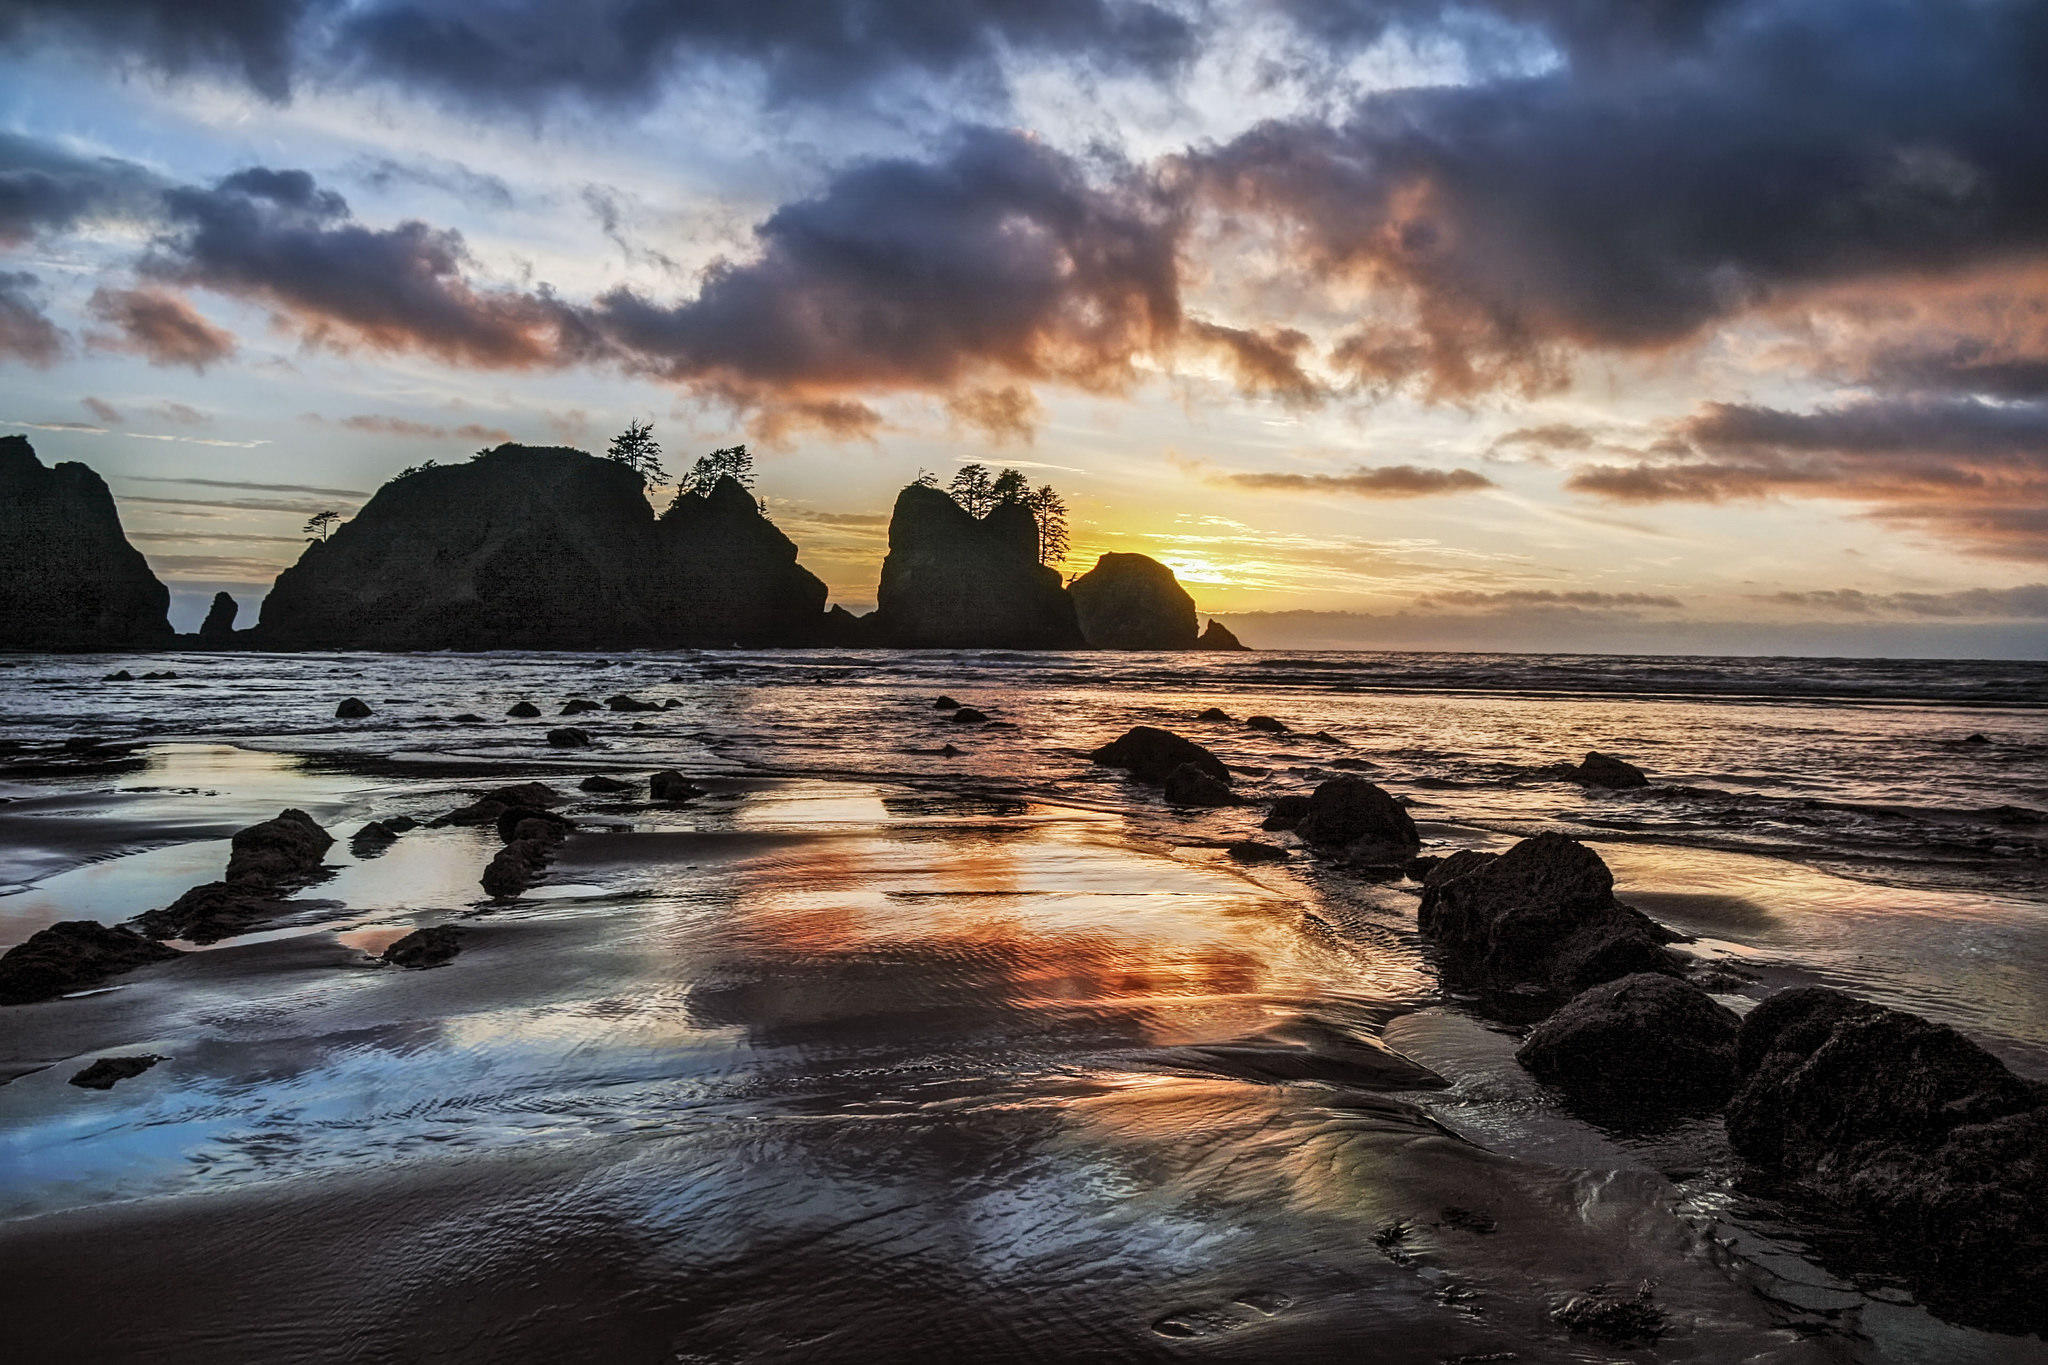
<point>69,579</point>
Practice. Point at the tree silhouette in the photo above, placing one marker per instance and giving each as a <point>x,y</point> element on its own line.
<point>320,524</point>
<point>637,450</point>
<point>1010,486</point>
<point>973,489</point>
<point>731,462</point>
<point>1049,510</point>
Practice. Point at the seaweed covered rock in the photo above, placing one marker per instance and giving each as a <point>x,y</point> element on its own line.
<point>69,579</point>
<point>1645,1042</point>
<point>1917,1128</point>
<point>1133,602</point>
<point>956,581</point>
<point>1151,755</point>
<point>1348,815</point>
<point>1541,917</point>
<point>72,956</point>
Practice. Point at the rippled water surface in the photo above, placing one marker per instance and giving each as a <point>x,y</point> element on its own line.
<point>876,1053</point>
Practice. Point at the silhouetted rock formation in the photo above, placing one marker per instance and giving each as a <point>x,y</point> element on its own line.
<point>1644,1043</point>
<point>266,862</point>
<point>71,956</point>
<point>1917,1128</point>
<point>1133,602</point>
<point>955,581</point>
<point>108,1072</point>
<point>1350,817</point>
<point>543,548</point>
<point>219,626</point>
<point>1541,917</point>
<point>1151,755</point>
<point>69,579</point>
<point>434,946</point>
<point>1603,770</point>
<point>1217,636</point>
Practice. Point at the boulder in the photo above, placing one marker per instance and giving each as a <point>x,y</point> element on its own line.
<point>670,785</point>
<point>1271,725</point>
<point>372,839</point>
<point>578,706</point>
<point>569,737</point>
<point>282,851</point>
<point>434,946</point>
<point>955,581</point>
<point>1641,1043</point>
<point>1916,1128</point>
<point>1189,785</point>
<point>1216,715</point>
<point>606,786</point>
<point>625,703</point>
<point>1348,815</point>
<point>524,710</point>
<point>945,704</point>
<point>1252,851</point>
<point>1286,812</point>
<point>1150,755</point>
<point>71,956</point>
<point>104,1073</point>
<point>543,548</point>
<point>1605,770</point>
<point>1217,636</point>
<point>1133,602</point>
<point>69,579</point>
<point>352,709</point>
<point>515,867</point>
<point>531,822</point>
<point>219,626</point>
<point>968,715</point>
<point>1539,918</point>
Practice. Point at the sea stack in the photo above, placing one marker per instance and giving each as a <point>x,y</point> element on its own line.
<point>530,547</point>
<point>69,579</point>
<point>219,626</point>
<point>956,581</point>
<point>1133,602</point>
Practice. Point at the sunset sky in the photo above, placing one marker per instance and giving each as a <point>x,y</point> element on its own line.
<point>1663,325</point>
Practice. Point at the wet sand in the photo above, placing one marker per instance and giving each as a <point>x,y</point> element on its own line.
<point>843,1069</point>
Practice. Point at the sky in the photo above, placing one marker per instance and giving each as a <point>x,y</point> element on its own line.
<point>1688,326</point>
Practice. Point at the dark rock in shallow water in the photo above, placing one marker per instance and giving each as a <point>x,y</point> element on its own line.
<point>1643,1043</point>
<point>1286,812</point>
<point>515,867</point>
<point>670,785</point>
<point>352,709</point>
<point>531,822</point>
<point>1216,715</point>
<point>609,786</point>
<point>219,626</point>
<point>1350,816</point>
<point>372,839</point>
<point>467,718</point>
<point>626,703</point>
<point>955,581</point>
<point>578,706</point>
<point>1977,739</point>
<point>1132,601</point>
<point>119,675</point>
<point>1605,770</point>
<point>1218,636</point>
<point>1188,785</point>
<point>1915,1127</point>
<point>434,946</point>
<point>534,548</point>
<point>69,579</point>
<point>1271,725</point>
<point>569,737</point>
<point>1540,917</point>
<point>103,1074</point>
<point>1632,1320</point>
<point>524,710</point>
<point>1150,755</point>
<point>945,704</point>
<point>280,851</point>
<point>1252,851</point>
<point>968,715</point>
<point>72,956</point>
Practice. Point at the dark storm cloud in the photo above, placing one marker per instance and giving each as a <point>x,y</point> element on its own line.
<point>516,54</point>
<point>26,332</point>
<point>1584,30</point>
<point>278,238</point>
<point>1632,206</point>
<point>2026,603</point>
<point>46,189</point>
<point>159,326</point>
<point>1973,470</point>
<point>1382,481</point>
<point>1002,255</point>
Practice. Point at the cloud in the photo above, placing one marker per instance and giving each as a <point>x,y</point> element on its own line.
<point>45,188</point>
<point>376,424</point>
<point>279,239</point>
<point>1264,360</point>
<point>1368,481</point>
<point>1505,225</point>
<point>1003,415</point>
<point>1525,597</point>
<point>105,412</point>
<point>26,332</point>
<point>159,326</point>
<point>296,506</point>
<point>450,177</point>
<point>209,537</point>
<point>1971,470</point>
<point>249,39</point>
<point>180,413</point>
<point>253,487</point>
<point>2026,603</point>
